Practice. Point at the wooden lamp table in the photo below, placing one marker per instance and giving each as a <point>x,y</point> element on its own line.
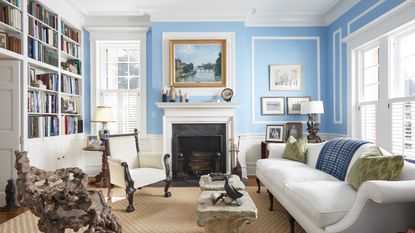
<point>104,175</point>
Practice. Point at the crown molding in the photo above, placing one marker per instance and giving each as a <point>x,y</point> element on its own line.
<point>338,10</point>
<point>284,20</point>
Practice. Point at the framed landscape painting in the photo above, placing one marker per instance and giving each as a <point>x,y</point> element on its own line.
<point>198,63</point>
<point>285,78</point>
<point>294,104</point>
<point>273,106</point>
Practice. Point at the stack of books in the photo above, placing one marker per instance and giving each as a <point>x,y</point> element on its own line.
<point>11,16</point>
<point>39,102</point>
<point>70,85</point>
<point>37,10</point>
<point>43,126</point>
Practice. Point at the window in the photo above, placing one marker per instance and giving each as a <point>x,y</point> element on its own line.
<point>368,91</point>
<point>120,85</point>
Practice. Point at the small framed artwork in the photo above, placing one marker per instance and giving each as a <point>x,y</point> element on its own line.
<point>198,63</point>
<point>272,105</point>
<point>285,78</point>
<point>294,129</point>
<point>294,104</point>
<point>274,133</point>
<point>91,140</point>
<point>3,40</point>
<point>32,76</point>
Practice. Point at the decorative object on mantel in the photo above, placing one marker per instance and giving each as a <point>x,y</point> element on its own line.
<point>312,108</point>
<point>11,196</point>
<point>187,97</point>
<point>172,93</point>
<point>197,63</point>
<point>181,96</point>
<point>234,150</point>
<point>61,199</point>
<point>164,91</point>
<point>285,78</point>
<point>103,115</point>
<point>231,195</point>
<point>227,94</point>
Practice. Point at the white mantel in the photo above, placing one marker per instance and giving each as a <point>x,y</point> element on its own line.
<point>197,113</point>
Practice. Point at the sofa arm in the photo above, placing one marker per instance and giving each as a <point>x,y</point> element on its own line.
<point>276,150</point>
<point>381,191</point>
<point>116,170</point>
<point>151,160</point>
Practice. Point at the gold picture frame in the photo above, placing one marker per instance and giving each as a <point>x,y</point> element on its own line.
<point>193,63</point>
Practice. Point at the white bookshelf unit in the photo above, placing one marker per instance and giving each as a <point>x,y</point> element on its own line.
<point>51,86</point>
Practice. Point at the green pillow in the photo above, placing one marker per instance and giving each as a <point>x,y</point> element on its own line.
<point>296,149</point>
<point>372,165</point>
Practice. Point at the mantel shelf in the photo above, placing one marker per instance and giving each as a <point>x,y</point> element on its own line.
<point>196,105</point>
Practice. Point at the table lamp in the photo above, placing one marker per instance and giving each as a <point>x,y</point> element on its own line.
<point>312,108</point>
<point>103,115</point>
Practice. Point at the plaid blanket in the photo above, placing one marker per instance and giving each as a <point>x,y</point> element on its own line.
<point>335,156</point>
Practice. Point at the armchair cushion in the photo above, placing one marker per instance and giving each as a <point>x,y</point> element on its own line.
<point>146,176</point>
<point>151,160</point>
<point>124,148</point>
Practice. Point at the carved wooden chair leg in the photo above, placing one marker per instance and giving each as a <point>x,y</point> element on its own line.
<point>259,185</point>
<point>292,224</point>
<point>130,190</point>
<point>166,187</point>
<point>110,186</point>
<point>271,201</point>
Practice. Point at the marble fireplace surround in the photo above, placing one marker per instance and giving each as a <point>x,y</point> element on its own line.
<point>197,113</point>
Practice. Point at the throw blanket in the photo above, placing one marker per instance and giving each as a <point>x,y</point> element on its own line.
<point>335,156</point>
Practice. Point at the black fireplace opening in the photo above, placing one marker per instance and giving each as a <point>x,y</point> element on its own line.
<point>198,149</point>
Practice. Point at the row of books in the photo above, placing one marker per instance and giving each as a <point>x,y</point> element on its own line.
<point>43,126</point>
<point>11,16</point>
<point>43,33</point>
<point>14,44</point>
<point>40,102</point>
<point>39,12</point>
<point>50,80</point>
<point>42,53</point>
<point>73,125</point>
<point>71,33</point>
<point>14,2</point>
<point>70,85</point>
<point>71,48</point>
<point>69,106</point>
<point>72,65</point>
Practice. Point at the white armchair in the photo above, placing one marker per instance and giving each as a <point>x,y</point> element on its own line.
<point>131,169</point>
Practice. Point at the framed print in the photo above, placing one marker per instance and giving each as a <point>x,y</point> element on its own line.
<point>32,76</point>
<point>294,129</point>
<point>294,104</point>
<point>198,63</point>
<point>91,140</point>
<point>272,105</point>
<point>3,40</point>
<point>274,133</point>
<point>285,78</point>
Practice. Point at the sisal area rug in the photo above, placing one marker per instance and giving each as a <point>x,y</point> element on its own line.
<point>177,214</point>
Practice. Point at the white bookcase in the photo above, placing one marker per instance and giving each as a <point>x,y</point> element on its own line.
<point>58,54</point>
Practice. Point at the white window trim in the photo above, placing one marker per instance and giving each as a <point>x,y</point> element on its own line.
<point>99,37</point>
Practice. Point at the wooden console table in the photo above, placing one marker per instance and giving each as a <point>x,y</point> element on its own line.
<point>104,175</point>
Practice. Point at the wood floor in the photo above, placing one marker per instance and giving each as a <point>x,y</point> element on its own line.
<point>5,216</point>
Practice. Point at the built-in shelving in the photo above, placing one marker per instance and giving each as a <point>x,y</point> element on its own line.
<point>11,26</point>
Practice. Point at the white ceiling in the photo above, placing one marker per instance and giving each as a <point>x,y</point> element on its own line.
<point>213,10</point>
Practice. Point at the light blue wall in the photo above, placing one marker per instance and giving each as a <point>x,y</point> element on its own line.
<point>362,13</point>
<point>86,76</point>
<point>285,50</point>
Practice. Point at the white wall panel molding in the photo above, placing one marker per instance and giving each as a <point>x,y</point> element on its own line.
<point>259,38</point>
<point>337,119</point>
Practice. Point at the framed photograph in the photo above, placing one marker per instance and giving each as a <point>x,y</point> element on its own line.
<point>91,140</point>
<point>294,129</point>
<point>273,105</point>
<point>198,63</point>
<point>3,40</point>
<point>294,104</point>
<point>32,76</point>
<point>285,78</point>
<point>274,133</point>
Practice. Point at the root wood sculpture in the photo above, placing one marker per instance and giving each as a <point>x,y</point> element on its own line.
<point>61,199</point>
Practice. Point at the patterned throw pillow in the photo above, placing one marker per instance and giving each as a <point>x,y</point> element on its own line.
<point>296,149</point>
<point>372,165</point>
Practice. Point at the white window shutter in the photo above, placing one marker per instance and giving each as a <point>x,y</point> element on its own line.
<point>403,128</point>
<point>368,122</point>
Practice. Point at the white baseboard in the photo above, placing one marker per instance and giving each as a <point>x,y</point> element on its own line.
<point>2,198</point>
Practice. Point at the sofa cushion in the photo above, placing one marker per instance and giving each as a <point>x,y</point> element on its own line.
<point>296,149</point>
<point>283,175</point>
<point>324,202</point>
<point>374,166</point>
<point>266,165</point>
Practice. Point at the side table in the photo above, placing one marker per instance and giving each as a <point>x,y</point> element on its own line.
<point>222,217</point>
<point>104,174</point>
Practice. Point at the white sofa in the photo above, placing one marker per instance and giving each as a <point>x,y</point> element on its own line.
<point>319,202</point>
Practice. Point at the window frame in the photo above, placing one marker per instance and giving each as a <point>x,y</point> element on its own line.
<point>99,81</point>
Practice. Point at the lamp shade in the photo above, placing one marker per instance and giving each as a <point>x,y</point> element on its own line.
<point>312,107</point>
<point>103,114</point>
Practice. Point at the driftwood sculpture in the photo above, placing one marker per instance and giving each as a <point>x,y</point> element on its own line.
<point>61,199</point>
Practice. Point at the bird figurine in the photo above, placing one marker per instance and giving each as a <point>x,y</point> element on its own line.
<point>231,195</point>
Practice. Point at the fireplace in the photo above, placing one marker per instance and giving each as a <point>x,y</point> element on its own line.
<point>198,149</point>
